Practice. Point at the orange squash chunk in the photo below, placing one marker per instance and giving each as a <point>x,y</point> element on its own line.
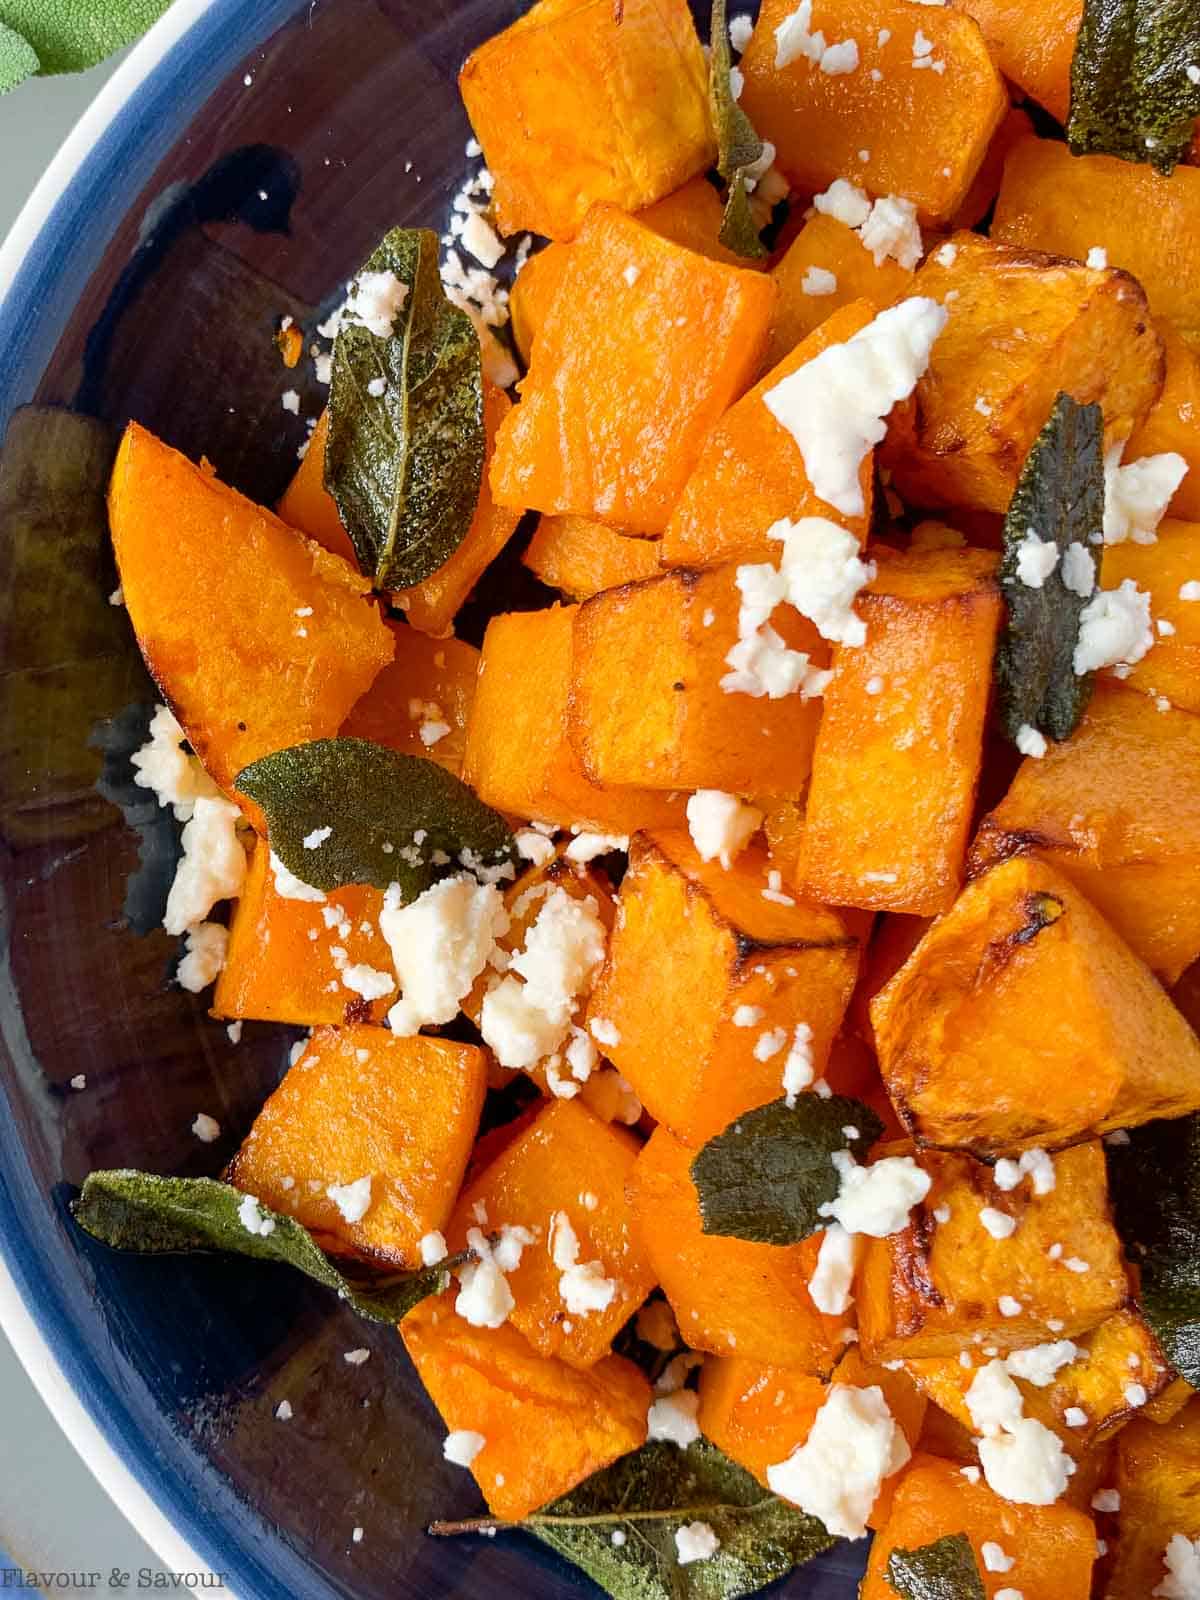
<point>1149,224</point>
<point>547,1426</point>
<point>518,756</point>
<point>1158,1478</point>
<point>280,965</point>
<point>819,122</point>
<point>362,1102</point>
<point>643,348</point>
<point>568,1164</point>
<point>257,638</point>
<point>981,196</point>
<point>1171,671</point>
<point>1116,808</point>
<point>1033,43</point>
<point>577,103</point>
<point>704,976</point>
<point>1025,972</point>
<point>646,703</point>
<point>730,1297</point>
<point>308,505</point>
<point>1173,422</point>
<point>939,1287</point>
<point>1053,1547</point>
<point>532,294</point>
<point>751,473</point>
<point>829,246</point>
<point>900,746</point>
<point>759,1414</point>
<point>1023,328</point>
<point>420,703</point>
<point>581,557</point>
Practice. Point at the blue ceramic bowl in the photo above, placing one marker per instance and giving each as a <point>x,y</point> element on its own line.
<point>238,166</point>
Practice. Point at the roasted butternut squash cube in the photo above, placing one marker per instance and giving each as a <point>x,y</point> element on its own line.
<point>707,982</point>
<point>1116,807</point>
<point>563,1179</point>
<point>730,1297</point>
<point>1024,971</point>
<point>580,556</point>
<point>751,474</point>
<point>648,702</point>
<point>981,196</point>
<point>577,103</point>
<point>1148,224</point>
<point>1053,1548</point>
<point>280,965</point>
<point>643,347</point>
<point>821,121</point>
<point>1158,1480</point>
<point>546,1426</point>
<point>824,246</point>
<point>946,1283</point>
<point>900,745</point>
<point>1173,422</point>
<point>233,611</point>
<point>758,1414</point>
<point>1023,328</point>
<point>518,757</point>
<point>308,505</point>
<point>420,703</point>
<point>1033,43</point>
<point>366,1140</point>
<point>1171,670</point>
<point>532,294</point>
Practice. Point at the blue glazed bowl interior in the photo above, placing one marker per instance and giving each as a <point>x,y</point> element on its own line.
<point>247,178</point>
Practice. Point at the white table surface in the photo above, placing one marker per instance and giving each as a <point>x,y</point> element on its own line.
<point>54,1516</point>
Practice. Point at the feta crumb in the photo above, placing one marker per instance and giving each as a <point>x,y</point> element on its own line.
<point>994,1557</point>
<point>290,400</point>
<point>993,1400</point>
<point>440,944</point>
<point>1079,569</point>
<point>853,1445</point>
<point>162,765</point>
<point>817,282</point>
<point>1036,559</point>
<point>740,30</point>
<point>798,1068</point>
<point>79,1081</point>
<point>289,887</point>
<point>1114,628</point>
<point>1034,1164</point>
<point>583,1287</point>
<point>1031,741</point>
<point>117,597</point>
<point>1182,1555</point>
<point>603,1031</point>
<point>369,982</point>
<point>1097,258</point>
<point>673,1418</point>
<point>829,1286</point>
<point>353,1200</point>
<point>721,825</point>
<point>1190,590</point>
<point>527,1015</point>
<point>874,685</point>
<point>534,846</point>
<point>1075,1417</point>
<point>839,59</point>
<point>892,230</point>
<point>315,839</point>
<point>1136,496</point>
<point>1040,1363</point>
<point>484,1298</point>
<point>207,946</point>
<point>946,255</point>
<point>433,1248</point>
<point>375,302</point>
<point>618,1537</point>
<point>283,1411</point>
<point>695,1541</point>
<point>998,1223</point>
<point>1135,1394</point>
<point>206,1128</point>
<point>845,203</point>
<point>1106,1500</point>
<point>876,1200</point>
<point>747,1016</point>
<point>769,1043</point>
<point>942,1214</point>
<point>462,1446</point>
<point>1009,1306</point>
<point>1026,1464</point>
<point>479,238</point>
<point>213,866</point>
<point>356,1535</point>
<point>252,1219</point>
<point>821,575</point>
<point>585,846</point>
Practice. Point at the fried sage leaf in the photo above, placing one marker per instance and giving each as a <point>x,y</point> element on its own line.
<point>738,146</point>
<point>372,815</point>
<point>1135,91</point>
<point>405,450</point>
<point>767,1176</point>
<point>1155,1182</point>
<point>944,1570</point>
<point>646,1497</point>
<point>150,1215</point>
<point>1060,498</point>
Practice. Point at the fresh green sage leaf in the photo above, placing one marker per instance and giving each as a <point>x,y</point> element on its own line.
<point>1155,1184</point>
<point>69,35</point>
<point>405,465</point>
<point>1134,90</point>
<point>738,145</point>
<point>944,1570</point>
<point>647,1496</point>
<point>150,1215</point>
<point>767,1176</point>
<point>18,58</point>
<point>1060,497</point>
<point>739,231</point>
<point>372,815</point>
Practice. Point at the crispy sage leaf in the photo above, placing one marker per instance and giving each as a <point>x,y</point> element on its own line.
<point>1132,93</point>
<point>374,802</point>
<point>1155,1182</point>
<point>18,58</point>
<point>766,1177</point>
<point>944,1570</point>
<point>1060,495</point>
<point>405,466</point>
<point>738,146</point>
<point>647,1496</point>
<point>151,1215</point>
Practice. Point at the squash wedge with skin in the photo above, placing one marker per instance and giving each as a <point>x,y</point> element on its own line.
<point>257,637</point>
<point>1158,1478</point>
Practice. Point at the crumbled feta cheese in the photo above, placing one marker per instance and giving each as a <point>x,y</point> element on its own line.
<point>817,282</point>
<point>1182,1555</point>
<point>721,825</point>
<point>946,255</point>
<point>353,1200</point>
<point>583,1287</point>
<point>585,846</point>
<point>795,40</point>
<point>603,1031</point>
<point>740,30</point>
<point>769,1043</point>
<point>1031,742</point>
<point>534,846</point>
<point>213,866</point>
<point>1106,1500</point>
<point>845,203</point>
<point>117,597</point>
<point>369,982</point>
<point>523,1022</point>
<point>1009,1306</point>
<point>835,405</point>
<point>892,230</point>
<point>1075,1417</point>
<point>207,946</point>
<point>1034,1164</point>
<point>876,1200</point>
<point>252,1219</point>
<point>838,59</point>
<point>1136,497</point>
<point>1041,1362</point>
<point>206,1128</point>
<point>283,1411</point>
<point>1036,559</point>
<point>432,1247</point>
<point>1097,258</point>
<point>1114,627</point>
<point>161,764</point>
<point>1135,1394</point>
<point>1190,590</point>
<point>998,1223</point>
<point>747,1016</point>
<point>673,1418</point>
<point>290,887</point>
<point>1079,569</point>
<point>1009,1594</point>
<point>484,1298</point>
<point>315,839</point>
<point>1026,1464</point>
<point>737,82</point>
<point>994,1557</point>
<point>440,944</point>
<point>290,400</point>
<point>462,1446</point>
<point>375,302</point>
<point>479,238</point>
<point>377,388</point>
<point>822,574</point>
<point>798,1068</point>
<point>695,1541</point>
<point>993,1400</point>
<point>853,1445</point>
<point>79,1082</point>
<point>829,1286</point>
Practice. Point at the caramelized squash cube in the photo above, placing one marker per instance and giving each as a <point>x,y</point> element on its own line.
<point>706,983</point>
<point>1173,422</point>
<point>981,196</point>
<point>643,348</point>
<point>580,556</point>
<point>939,1287</point>
<point>577,103</point>
<point>751,474</point>
<point>1023,327</point>
<point>1022,1019</point>
<point>647,703</point>
<point>518,757</point>
<point>730,1297</point>
<point>827,246</point>
<point>307,504</point>
<point>1033,44</point>
<point>1171,670</point>
<point>1158,1479</point>
<point>1116,808</point>
<point>364,1103</point>
<point>546,1426</point>
<point>420,703</point>
<point>900,745</point>
<point>233,611</point>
